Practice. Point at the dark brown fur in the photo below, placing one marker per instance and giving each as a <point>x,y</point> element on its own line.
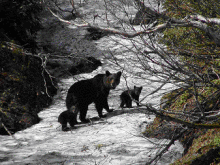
<point>126,97</point>
<point>85,92</point>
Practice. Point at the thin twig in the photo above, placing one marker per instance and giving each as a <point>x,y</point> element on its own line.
<point>174,138</point>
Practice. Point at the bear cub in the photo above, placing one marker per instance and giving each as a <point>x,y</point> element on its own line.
<point>66,117</point>
<point>126,99</point>
<point>85,92</point>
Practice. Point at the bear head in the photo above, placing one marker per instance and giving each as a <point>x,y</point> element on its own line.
<point>137,90</point>
<point>111,80</point>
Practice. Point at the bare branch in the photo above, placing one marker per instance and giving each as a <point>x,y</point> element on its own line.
<point>112,30</point>
<point>170,24</point>
<point>205,19</point>
<point>189,124</point>
<point>167,146</point>
<point>68,22</point>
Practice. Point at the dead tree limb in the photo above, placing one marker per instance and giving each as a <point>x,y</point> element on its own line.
<point>196,21</point>
<point>188,124</point>
<point>167,146</point>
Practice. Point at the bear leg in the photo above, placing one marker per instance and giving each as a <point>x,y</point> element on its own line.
<point>83,112</point>
<point>137,102</point>
<point>73,114</point>
<point>136,98</point>
<point>83,118</point>
<point>122,103</point>
<point>105,105</point>
<point>129,104</point>
<point>99,109</point>
<point>64,126</point>
<point>62,119</point>
<point>72,119</point>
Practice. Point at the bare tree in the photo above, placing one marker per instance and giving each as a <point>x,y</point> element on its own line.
<point>173,46</point>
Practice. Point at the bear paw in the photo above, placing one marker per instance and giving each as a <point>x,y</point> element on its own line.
<point>65,129</point>
<point>103,116</point>
<point>85,120</point>
<point>110,110</point>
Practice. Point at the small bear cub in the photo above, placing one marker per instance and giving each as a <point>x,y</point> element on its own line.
<point>67,117</point>
<point>126,99</point>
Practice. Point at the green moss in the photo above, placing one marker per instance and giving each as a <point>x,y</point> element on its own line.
<point>201,145</point>
<point>99,146</point>
<point>216,81</point>
<point>181,100</point>
<point>216,141</point>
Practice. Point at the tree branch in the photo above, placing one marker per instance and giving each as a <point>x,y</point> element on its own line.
<point>172,22</point>
<point>174,138</point>
<point>189,124</point>
<point>112,30</point>
<point>203,19</point>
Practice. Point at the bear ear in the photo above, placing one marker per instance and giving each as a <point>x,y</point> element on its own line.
<point>141,87</point>
<point>107,73</point>
<point>119,74</point>
<point>134,87</point>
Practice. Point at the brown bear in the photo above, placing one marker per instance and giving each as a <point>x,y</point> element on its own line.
<point>126,99</point>
<point>85,92</point>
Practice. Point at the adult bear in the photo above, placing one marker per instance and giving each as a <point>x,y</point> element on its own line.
<point>128,95</point>
<point>85,92</point>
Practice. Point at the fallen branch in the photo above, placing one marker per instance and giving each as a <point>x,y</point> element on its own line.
<point>6,129</point>
<point>206,20</point>
<point>196,21</point>
<point>188,124</point>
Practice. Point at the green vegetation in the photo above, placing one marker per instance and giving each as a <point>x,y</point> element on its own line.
<point>193,46</point>
<point>201,146</point>
<point>99,146</point>
<point>199,56</point>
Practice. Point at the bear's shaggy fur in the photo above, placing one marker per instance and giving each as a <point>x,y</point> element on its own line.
<point>126,97</point>
<point>67,117</point>
<point>85,92</point>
